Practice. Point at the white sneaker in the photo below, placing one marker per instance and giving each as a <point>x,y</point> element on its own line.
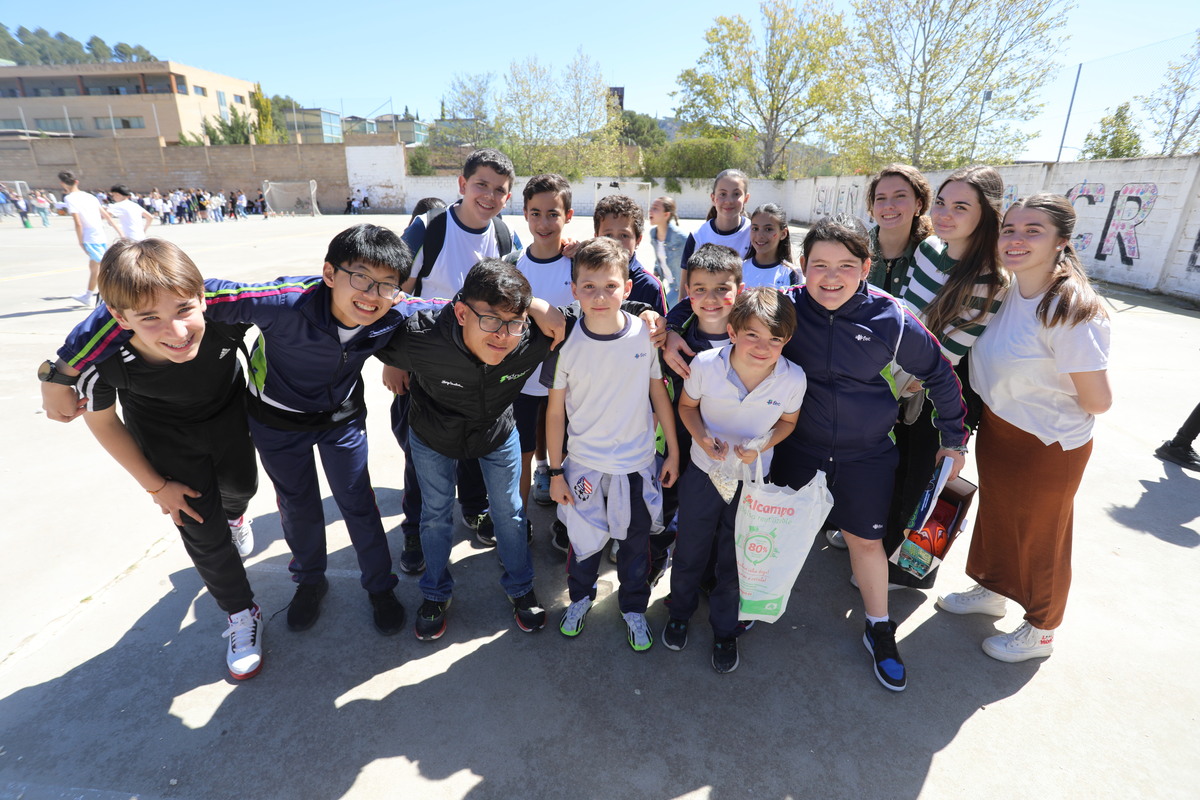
<point>640,638</point>
<point>1024,643</point>
<point>244,654</point>
<point>242,535</point>
<point>87,298</point>
<point>976,600</point>
<point>891,586</point>
<point>836,539</point>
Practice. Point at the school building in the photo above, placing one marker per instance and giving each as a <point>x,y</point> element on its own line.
<point>143,99</point>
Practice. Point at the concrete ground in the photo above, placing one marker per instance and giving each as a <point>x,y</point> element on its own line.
<point>112,681</point>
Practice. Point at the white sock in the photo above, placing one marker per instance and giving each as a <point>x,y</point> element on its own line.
<point>874,620</point>
<point>543,462</point>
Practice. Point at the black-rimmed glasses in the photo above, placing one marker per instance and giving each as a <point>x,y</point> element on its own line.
<point>490,324</point>
<point>362,282</point>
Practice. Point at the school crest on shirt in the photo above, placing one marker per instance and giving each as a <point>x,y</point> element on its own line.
<point>583,488</point>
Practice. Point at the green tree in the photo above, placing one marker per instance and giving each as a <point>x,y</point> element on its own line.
<point>280,105</point>
<point>100,51</point>
<point>699,159</point>
<point>1174,107</point>
<point>642,130</point>
<point>918,71</point>
<point>265,131</point>
<point>470,107</point>
<point>70,51</point>
<point>773,85</point>
<point>123,52</point>
<point>1117,138</point>
<point>10,48</point>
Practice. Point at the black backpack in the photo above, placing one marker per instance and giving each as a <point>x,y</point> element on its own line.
<point>435,237</point>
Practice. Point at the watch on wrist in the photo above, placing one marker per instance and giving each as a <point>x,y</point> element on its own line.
<point>556,472</point>
<point>48,373</point>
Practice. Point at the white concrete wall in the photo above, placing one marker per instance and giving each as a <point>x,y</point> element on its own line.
<point>379,171</point>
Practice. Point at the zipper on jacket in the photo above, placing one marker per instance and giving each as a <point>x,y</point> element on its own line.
<point>833,387</point>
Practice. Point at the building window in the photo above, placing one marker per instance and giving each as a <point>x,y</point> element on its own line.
<point>180,85</point>
<point>13,124</point>
<point>200,90</point>
<point>237,98</point>
<point>122,123</point>
<point>58,124</point>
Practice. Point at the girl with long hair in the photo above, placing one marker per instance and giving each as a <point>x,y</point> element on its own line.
<point>1041,368</point>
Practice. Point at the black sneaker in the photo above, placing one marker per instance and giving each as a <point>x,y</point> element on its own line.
<point>674,635</point>
<point>412,557</point>
<point>880,641</point>
<point>561,541</point>
<point>1182,455</point>
<point>725,655</point>
<point>431,620</point>
<point>388,613</point>
<point>306,605</point>
<point>485,530</point>
<point>528,612</point>
<point>528,531</point>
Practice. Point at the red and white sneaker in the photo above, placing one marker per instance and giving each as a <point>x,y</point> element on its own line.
<point>244,653</point>
<point>242,535</point>
<point>1024,643</point>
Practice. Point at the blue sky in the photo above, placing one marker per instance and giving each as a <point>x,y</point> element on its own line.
<point>354,61</point>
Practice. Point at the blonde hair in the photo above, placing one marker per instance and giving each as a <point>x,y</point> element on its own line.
<point>133,273</point>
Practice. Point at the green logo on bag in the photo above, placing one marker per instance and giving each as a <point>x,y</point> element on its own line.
<point>758,548</point>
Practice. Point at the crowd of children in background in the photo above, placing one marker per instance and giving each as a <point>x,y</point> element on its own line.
<point>866,354</point>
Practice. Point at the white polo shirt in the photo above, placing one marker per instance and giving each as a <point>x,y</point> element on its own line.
<point>732,414</point>
<point>88,209</point>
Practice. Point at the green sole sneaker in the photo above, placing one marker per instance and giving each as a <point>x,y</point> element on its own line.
<point>574,617</point>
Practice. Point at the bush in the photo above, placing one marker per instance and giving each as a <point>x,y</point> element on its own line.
<point>418,161</point>
<point>700,158</point>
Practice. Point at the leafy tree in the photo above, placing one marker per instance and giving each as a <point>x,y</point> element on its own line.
<point>99,51</point>
<point>918,70</point>
<point>527,123</point>
<point>265,130</point>
<point>280,105</point>
<point>1117,138</point>
<point>773,85</point>
<point>10,48</point>
<point>471,105</point>
<point>589,121</point>
<point>70,51</point>
<point>642,130</point>
<point>1174,107</point>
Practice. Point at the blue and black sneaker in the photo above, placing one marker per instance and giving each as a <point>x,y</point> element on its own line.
<point>880,641</point>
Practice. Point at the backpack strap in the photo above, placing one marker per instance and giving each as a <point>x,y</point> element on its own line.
<point>431,247</point>
<point>504,240</point>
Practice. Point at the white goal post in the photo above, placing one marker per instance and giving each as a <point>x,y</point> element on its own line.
<point>291,198</point>
<point>638,190</point>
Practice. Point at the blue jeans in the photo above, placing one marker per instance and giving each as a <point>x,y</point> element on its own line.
<point>436,474</point>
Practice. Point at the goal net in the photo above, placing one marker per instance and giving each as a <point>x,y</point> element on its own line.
<point>638,190</point>
<point>291,198</point>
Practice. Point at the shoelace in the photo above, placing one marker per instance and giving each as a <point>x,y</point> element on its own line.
<point>884,643</point>
<point>575,612</point>
<point>241,633</point>
<point>637,626</point>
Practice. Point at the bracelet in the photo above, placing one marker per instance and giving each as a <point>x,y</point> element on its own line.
<point>159,489</point>
<point>555,473</point>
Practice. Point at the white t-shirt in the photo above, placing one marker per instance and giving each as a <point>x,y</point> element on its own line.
<point>551,281</point>
<point>780,275</point>
<point>739,240</point>
<point>610,423</point>
<point>128,216</point>
<point>462,249</point>
<point>1020,369</point>
<point>732,414</point>
<point>88,209</point>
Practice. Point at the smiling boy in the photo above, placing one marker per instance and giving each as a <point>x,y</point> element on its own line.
<point>605,388</point>
<point>620,218</point>
<point>184,436</point>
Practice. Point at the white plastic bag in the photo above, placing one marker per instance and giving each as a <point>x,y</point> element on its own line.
<point>774,533</point>
<point>728,473</point>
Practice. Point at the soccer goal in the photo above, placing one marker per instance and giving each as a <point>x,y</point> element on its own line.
<point>638,190</point>
<point>291,198</point>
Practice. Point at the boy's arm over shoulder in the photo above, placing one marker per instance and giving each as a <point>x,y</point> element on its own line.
<point>93,340</point>
<point>235,302</point>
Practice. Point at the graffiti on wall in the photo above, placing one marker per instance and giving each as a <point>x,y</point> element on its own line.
<point>1129,208</point>
<point>836,200</point>
<point>1010,197</point>
<point>1193,264</point>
